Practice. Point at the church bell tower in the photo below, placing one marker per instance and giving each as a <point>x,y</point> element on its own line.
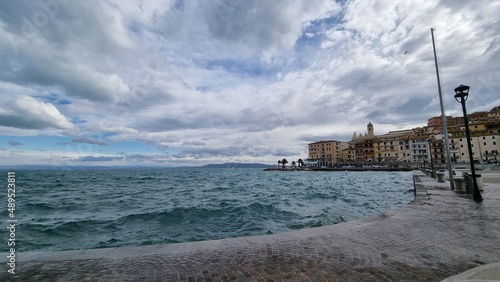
<point>369,128</point>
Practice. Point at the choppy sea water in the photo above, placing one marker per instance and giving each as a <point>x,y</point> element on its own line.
<point>82,209</point>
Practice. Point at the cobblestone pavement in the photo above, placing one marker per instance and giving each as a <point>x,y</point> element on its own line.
<point>438,235</point>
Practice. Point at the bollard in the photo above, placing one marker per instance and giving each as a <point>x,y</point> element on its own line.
<point>479,181</point>
<point>469,183</point>
<point>440,176</point>
<point>459,185</point>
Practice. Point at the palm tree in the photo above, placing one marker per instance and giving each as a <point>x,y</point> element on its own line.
<point>293,164</point>
<point>284,162</point>
<point>279,163</point>
<point>301,162</point>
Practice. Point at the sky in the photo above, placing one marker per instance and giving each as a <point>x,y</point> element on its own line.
<point>187,83</point>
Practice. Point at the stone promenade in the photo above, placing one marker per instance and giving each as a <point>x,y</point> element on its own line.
<point>438,235</point>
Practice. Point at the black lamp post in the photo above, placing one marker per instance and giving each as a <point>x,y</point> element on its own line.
<point>430,153</point>
<point>461,94</point>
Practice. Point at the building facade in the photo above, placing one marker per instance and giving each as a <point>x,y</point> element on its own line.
<point>364,145</point>
<point>327,152</point>
<point>418,146</point>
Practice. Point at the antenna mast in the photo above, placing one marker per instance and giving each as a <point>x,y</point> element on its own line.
<point>443,117</point>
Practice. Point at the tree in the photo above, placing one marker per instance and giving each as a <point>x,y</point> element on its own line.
<point>279,163</point>
<point>293,164</point>
<point>284,162</point>
<point>301,162</point>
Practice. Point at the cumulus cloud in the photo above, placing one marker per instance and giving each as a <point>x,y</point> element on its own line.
<point>27,113</point>
<point>71,51</point>
<point>234,79</point>
<point>264,26</point>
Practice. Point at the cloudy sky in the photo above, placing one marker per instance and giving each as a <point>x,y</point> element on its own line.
<point>175,82</point>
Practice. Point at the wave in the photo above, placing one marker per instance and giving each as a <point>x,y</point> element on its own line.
<point>184,205</point>
<point>42,206</point>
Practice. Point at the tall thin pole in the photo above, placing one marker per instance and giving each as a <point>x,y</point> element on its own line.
<point>443,116</point>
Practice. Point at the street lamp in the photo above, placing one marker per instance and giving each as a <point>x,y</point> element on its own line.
<point>430,152</point>
<point>461,94</point>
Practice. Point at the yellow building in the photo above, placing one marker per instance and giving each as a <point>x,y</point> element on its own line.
<point>327,152</point>
<point>484,147</point>
<point>475,127</point>
<point>485,143</point>
<point>349,154</point>
<point>494,114</point>
<point>394,146</point>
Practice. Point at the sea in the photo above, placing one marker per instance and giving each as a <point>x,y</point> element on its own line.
<point>99,208</point>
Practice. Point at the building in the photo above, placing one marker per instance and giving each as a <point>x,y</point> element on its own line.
<point>418,145</point>
<point>419,150</point>
<point>393,146</point>
<point>349,154</point>
<point>364,145</point>
<point>437,150</point>
<point>327,152</point>
<point>485,146</point>
<point>494,114</point>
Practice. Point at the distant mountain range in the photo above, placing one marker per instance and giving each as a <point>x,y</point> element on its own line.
<point>236,165</point>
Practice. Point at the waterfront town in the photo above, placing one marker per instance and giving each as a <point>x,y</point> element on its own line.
<point>416,147</point>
